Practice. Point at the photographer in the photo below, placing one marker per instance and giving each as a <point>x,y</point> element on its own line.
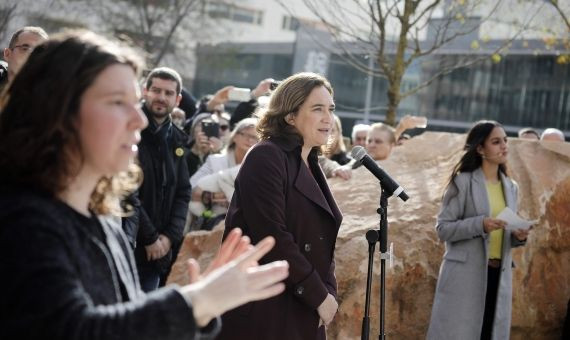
<point>200,144</point>
<point>213,184</point>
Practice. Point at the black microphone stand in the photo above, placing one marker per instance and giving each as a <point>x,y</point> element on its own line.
<point>373,236</point>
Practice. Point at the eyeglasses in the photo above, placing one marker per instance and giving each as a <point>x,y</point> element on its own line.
<point>224,127</point>
<point>251,137</point>
<point>25,48</point>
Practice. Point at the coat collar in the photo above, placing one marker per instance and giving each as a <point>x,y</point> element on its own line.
<point>480,196</point>
<point>153,126</point>
<point>308,185</point>
<point>286,143</point>
<point>314,187</point>
<point>479,190</point>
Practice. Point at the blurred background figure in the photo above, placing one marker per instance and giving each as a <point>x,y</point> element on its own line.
<point>553,135</point>
<point>335,150</point>
<point>213,183</point>
<point>21,45</point>
<point>402,139</point>
<point>178,116</point>
<point>359,134</point>
<point>528,133</point>
<point>380,141</point>
<point>200,144</point>
<point>223,120</point>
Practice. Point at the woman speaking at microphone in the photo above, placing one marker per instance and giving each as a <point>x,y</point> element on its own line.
<point>473,294</point>
<point>281,191</point>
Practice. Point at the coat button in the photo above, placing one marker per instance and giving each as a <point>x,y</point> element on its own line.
<point>321,238</point>
<point>300,290</point>
<point>307,247</point>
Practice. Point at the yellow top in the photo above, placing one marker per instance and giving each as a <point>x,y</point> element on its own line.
<point>497,204</point>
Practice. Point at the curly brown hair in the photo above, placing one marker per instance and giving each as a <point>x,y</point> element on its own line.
<point>39,142</point>
<point>288,98</point>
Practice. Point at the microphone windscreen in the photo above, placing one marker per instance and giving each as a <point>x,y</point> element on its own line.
<point>358,153</point>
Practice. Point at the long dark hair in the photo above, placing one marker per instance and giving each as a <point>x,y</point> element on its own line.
<point>471,159</point>
<point>39,142</point>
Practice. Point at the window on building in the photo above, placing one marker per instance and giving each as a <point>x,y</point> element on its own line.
<point>235,13</point>
<point>290,23</point>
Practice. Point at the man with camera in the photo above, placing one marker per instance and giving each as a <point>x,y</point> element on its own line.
<point>165,191</point>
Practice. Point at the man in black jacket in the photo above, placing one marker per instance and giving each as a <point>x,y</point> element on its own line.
<point>165,191</point>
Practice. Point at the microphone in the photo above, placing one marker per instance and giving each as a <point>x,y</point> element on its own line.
<point>388,184</point>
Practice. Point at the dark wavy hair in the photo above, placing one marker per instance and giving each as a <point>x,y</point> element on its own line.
<point>39,141</point>
<point>471,159</point>
<point>288,98</point>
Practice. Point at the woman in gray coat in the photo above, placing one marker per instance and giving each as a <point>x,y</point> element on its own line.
<point>473,293</point>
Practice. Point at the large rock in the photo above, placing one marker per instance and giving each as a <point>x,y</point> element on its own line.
<point>541,281</point>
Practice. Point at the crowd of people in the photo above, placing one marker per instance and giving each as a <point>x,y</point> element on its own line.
<point>102,176</point>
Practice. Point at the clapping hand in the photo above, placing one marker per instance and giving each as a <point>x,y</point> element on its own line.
<point>235,283</point>
<point>233,246</point>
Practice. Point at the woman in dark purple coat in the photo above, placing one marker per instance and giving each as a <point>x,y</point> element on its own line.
<point>281,191</point>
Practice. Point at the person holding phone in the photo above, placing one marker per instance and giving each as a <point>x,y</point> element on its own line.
<point>473,297</point>
<point>66,161</point>
<point>220,169</point>
<point>200,145</point>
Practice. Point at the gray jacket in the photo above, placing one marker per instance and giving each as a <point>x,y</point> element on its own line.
<point>459,302</point>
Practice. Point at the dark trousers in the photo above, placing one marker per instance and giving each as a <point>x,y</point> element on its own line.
<point>149,276</point>
<point>493,276</point>
<point>566,328</point>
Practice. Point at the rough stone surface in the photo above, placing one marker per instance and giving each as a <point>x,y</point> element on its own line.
<point>541,280</point>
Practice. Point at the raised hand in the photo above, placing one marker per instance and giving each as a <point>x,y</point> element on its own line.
<point>240,281</point>
<point>233,246</point>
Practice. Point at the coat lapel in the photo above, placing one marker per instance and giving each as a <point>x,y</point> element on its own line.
<point>510,200</point>
<point>479,192</point>
<point>322,181</point>
<point>307,185</point>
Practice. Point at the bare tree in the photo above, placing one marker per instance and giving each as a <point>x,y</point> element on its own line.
<point>150,24</point>
<point>564,16</point>
<point>7,12</point>
<point>421,27</point>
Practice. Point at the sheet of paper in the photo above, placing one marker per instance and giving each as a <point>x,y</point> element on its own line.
<point>513,220</point>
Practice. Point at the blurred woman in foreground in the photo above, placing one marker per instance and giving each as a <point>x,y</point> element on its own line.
<point>69,129</point>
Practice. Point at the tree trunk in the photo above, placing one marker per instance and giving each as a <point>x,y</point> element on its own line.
<point>393,100</point>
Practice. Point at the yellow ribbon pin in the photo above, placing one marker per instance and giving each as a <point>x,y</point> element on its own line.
<point>179,152</point>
